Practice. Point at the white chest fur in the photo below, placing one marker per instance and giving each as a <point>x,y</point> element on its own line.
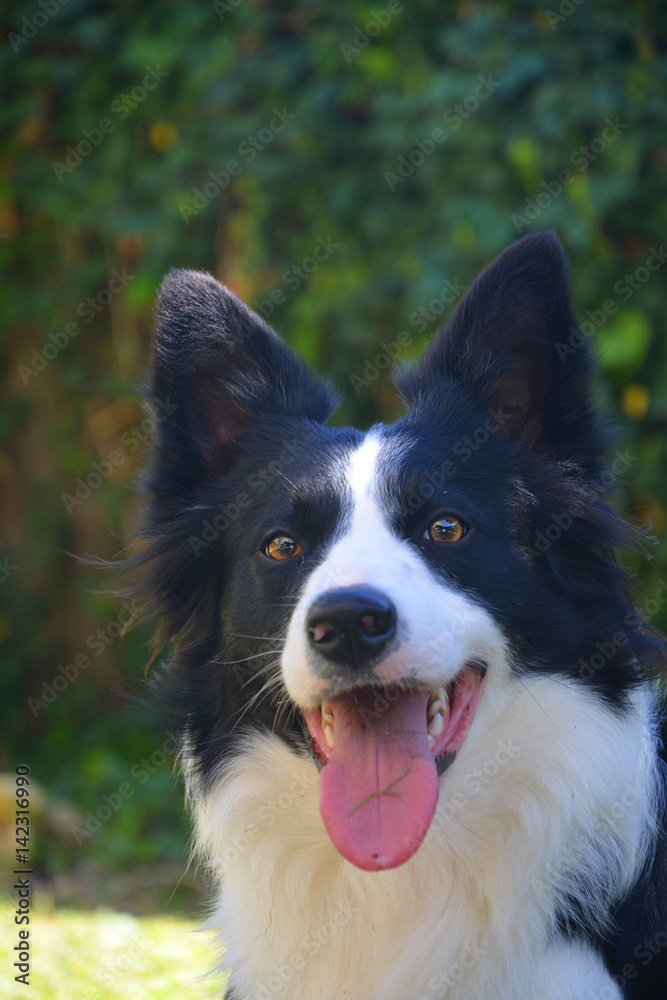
<point>539,803</point>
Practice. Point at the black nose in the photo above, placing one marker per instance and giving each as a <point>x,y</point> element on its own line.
<point>351,625</point>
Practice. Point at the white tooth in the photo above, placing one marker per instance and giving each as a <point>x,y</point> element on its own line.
<point>431,742</point>
<point>328,723</point>
<point>438,710</point>
<point>437,724</point>
<point>439,702</point>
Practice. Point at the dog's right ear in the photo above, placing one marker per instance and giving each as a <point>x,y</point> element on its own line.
<point>220,366</point>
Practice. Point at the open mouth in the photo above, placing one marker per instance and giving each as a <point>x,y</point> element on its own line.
<point>382,751</point>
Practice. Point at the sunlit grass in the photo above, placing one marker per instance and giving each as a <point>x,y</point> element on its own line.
<point>104,955</point>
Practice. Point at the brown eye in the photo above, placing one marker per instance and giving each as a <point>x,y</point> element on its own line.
<point>281,547</point>
<point>446,529</point>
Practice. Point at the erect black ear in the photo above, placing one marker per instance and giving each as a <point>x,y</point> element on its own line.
<point>513,343</point>
<point>221,366</point>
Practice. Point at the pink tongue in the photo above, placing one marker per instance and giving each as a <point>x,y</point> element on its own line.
<point>379,789</point>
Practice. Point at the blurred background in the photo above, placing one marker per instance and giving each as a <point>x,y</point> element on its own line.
<point>347,169</point>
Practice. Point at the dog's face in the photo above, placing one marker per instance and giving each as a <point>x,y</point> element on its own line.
<point>365,595</point>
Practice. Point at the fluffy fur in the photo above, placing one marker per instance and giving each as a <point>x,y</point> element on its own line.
<point>542,873</point>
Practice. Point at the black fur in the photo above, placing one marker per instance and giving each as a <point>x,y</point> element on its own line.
<point>244,401</point>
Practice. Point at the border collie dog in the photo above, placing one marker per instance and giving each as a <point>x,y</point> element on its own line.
<point>418,706</point>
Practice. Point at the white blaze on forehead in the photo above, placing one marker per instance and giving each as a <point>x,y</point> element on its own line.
<point>366,550</point>
<point>363,482</point>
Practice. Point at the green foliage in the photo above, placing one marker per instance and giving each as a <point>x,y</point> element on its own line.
<point>544,119</point>
<point>109,956</point>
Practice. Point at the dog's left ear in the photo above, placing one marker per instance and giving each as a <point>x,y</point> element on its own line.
<point>514,344</point>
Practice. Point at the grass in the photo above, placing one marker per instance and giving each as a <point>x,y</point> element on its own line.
<point>105,955</point>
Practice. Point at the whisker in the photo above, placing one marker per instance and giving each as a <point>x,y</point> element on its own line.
<point>544,712</point>
<point>284,707</point>
<point>266,689</point>
<point>262,638</point>
<point>286,479</point>
<point>263,670</point>
<point>243,659</point>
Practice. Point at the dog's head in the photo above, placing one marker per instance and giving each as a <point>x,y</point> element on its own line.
<point>363,594</point>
